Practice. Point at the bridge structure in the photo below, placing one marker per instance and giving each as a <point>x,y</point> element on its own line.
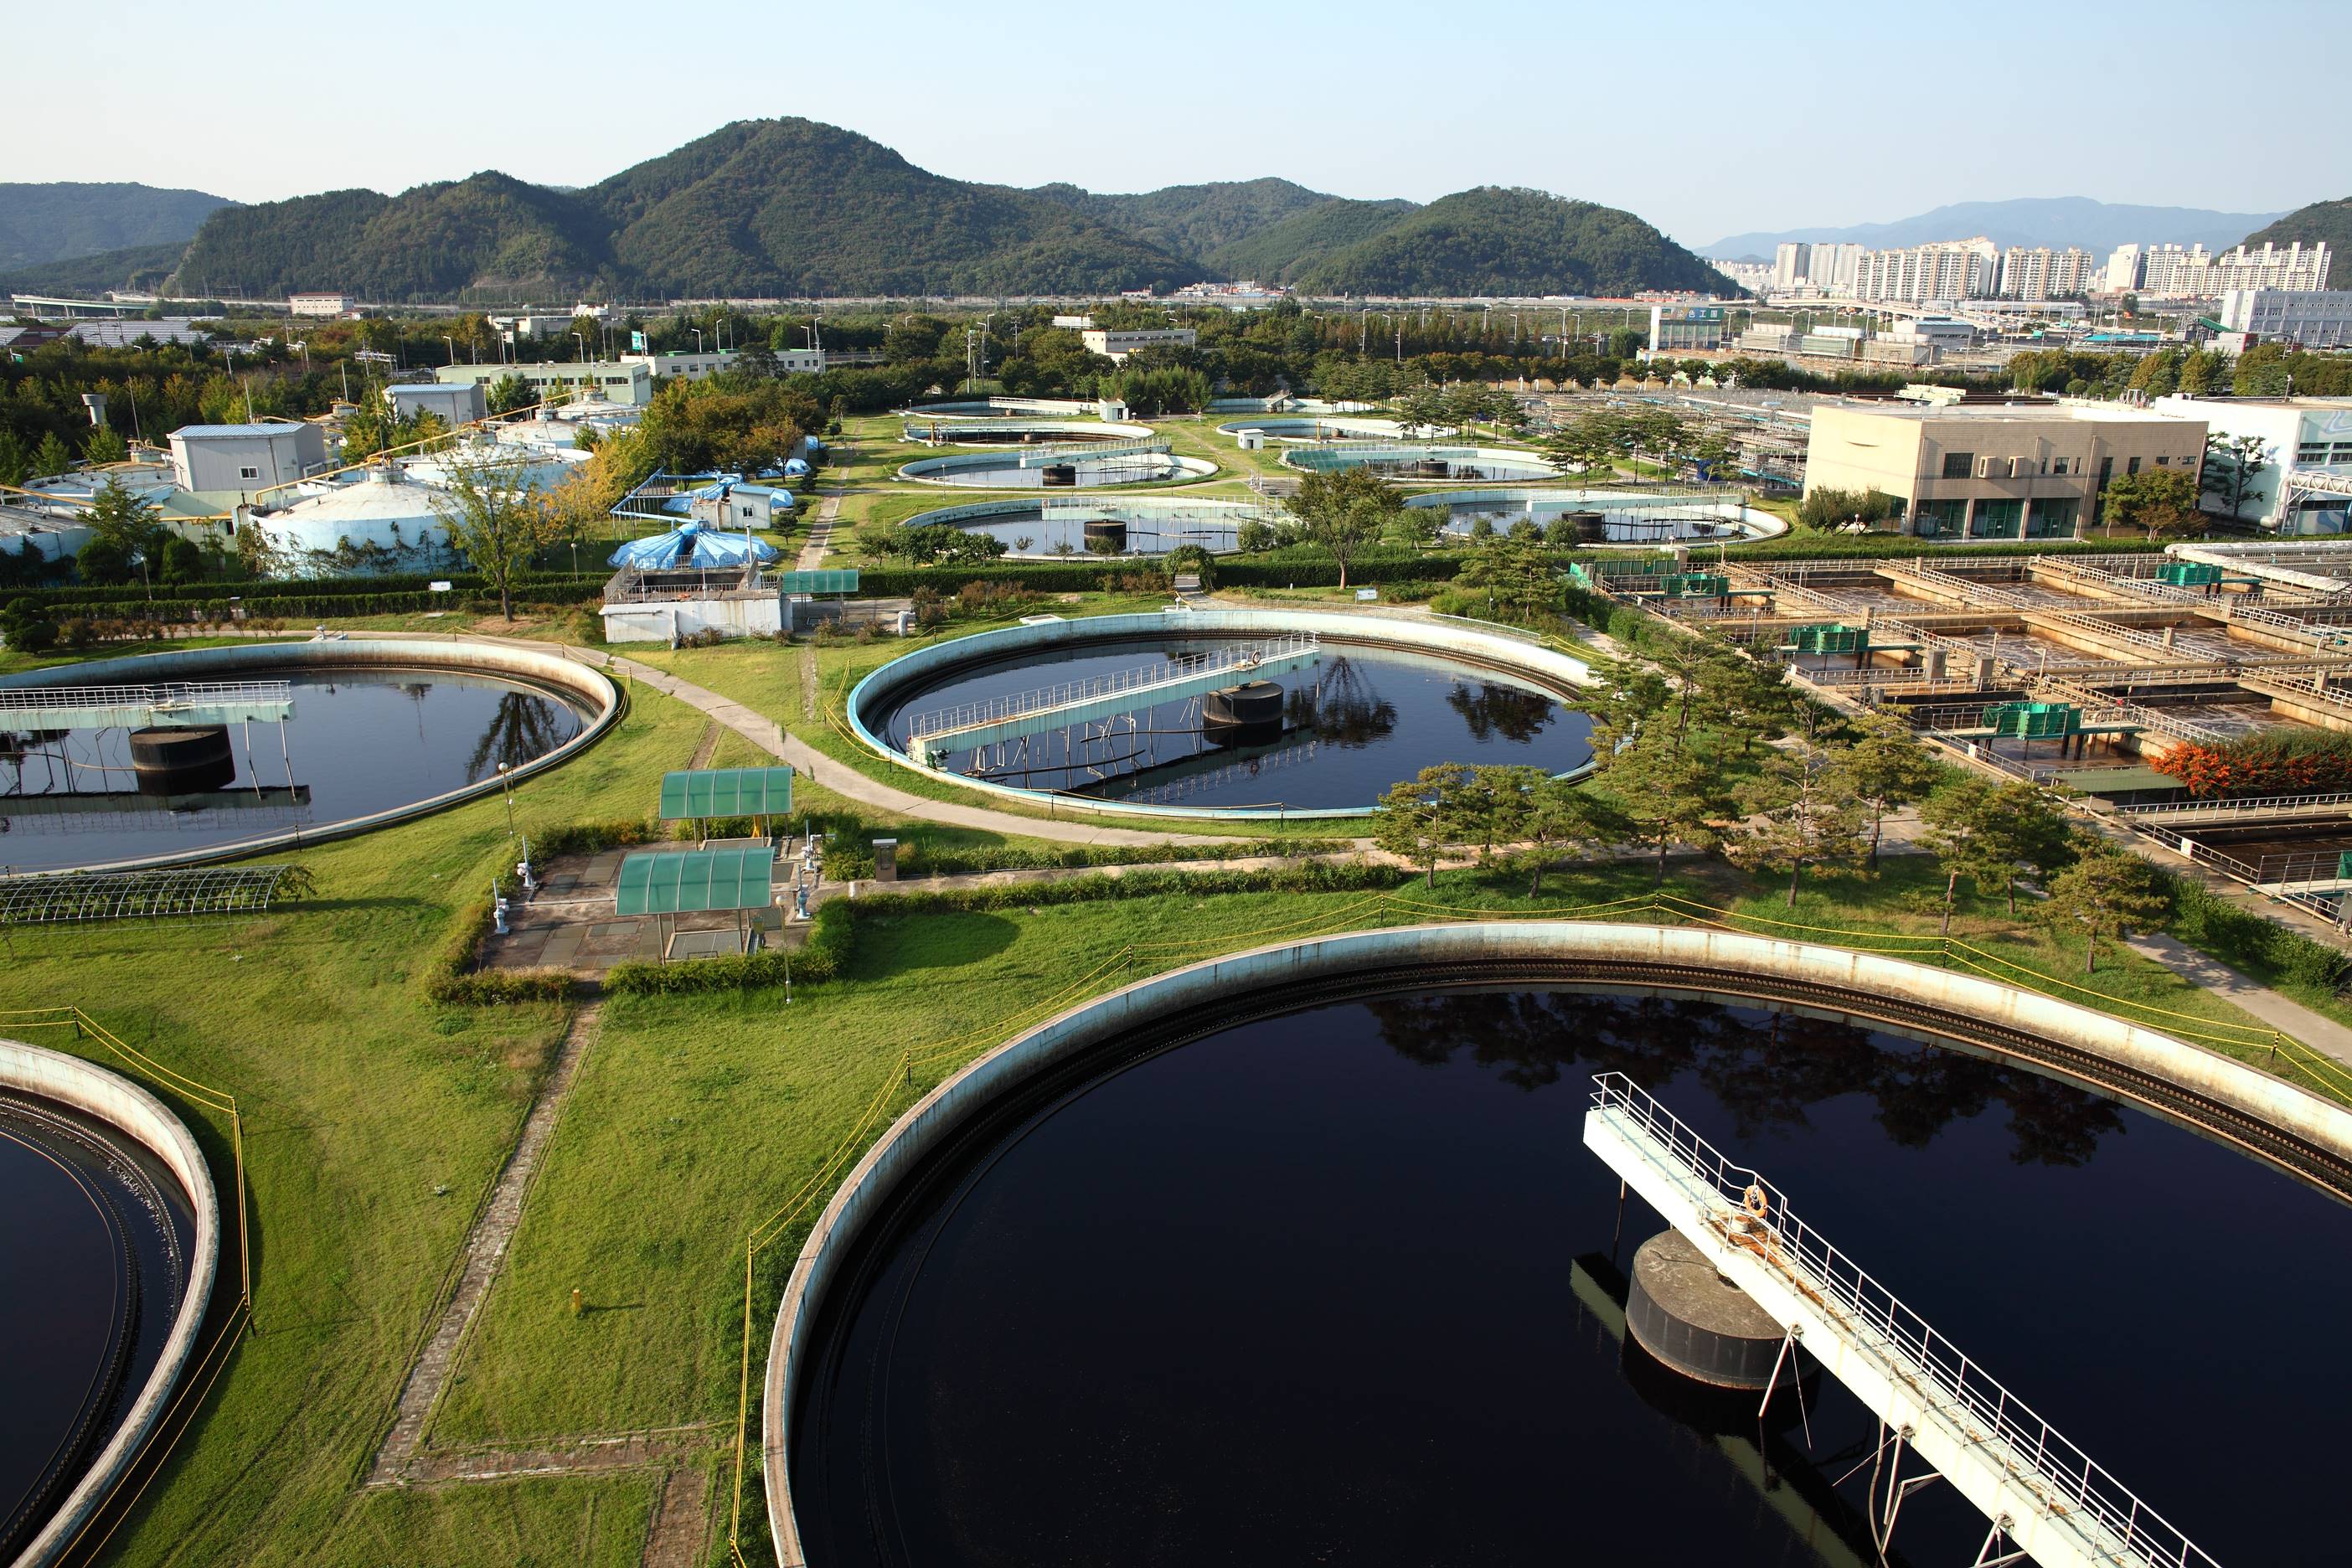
<point>173,705</point>
<point>2042,1496</point>
<point>932,737</point>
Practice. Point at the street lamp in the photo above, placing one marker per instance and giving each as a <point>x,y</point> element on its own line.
<point>697,338</point>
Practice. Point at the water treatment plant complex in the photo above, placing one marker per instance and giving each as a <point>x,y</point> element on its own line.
<point>1100,1044</point>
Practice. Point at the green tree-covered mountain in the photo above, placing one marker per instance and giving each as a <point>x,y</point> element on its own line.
<point>781,209</point>
<point>2327,221</point>
<point>62,220</point>
<point>1193,221</point>
<point>135,267</point>
<point>790,206</point>
<point>1494,240</point>
<point>1284,250</point>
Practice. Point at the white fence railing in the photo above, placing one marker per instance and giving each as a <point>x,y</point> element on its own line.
<point>1094,689</point>
<point>2124,1528</point>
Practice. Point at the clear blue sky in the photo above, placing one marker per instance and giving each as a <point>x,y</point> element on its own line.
<point>1706,118</point>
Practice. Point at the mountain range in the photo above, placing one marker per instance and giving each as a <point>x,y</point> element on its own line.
<point>59,221</point>
<point>791,207</point>
<point>2056,221</point>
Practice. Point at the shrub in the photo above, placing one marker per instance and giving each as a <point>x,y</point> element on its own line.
<point>2271,761</point>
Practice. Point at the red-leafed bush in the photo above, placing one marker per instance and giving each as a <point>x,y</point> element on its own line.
<point>2272,762</point>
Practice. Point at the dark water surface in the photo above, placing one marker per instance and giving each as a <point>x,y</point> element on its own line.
<point>92,1268</point>
<point>1307,1292</point>
<point>360,741</point>
<point>1352,726</point>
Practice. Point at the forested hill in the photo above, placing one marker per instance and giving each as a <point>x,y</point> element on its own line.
<point>1193,221</point>
<point>772,207</point>
<point>2330,222</point>
<point>61,221</point>
<point>779,208</point>
<point>1494,240</point>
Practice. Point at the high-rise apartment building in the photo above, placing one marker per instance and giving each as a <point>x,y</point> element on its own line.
<point>1945,269</point>
<point>2042,273</point>
<point>2193,272</point>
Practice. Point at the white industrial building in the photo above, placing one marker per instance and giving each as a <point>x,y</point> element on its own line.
<point>325,305</point>
<point>1116,345</point>
<point>604,380</point>
<point>2299,434</point>
<point>243,459</point>
<point>696,366</point>
<point>2314,317</point>
<point>457,403</point>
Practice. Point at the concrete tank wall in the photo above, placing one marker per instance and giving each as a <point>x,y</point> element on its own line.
<point>1402,951</point>
<point>141,1118</point>
<point>264,660</point>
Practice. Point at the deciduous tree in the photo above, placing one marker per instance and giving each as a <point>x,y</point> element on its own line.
<point>1344,511</point>
<point>497,519</point>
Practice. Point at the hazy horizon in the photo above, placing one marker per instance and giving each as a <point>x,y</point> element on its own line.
<point>1584,109</point>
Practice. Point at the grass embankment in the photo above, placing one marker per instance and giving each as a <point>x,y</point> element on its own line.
<point>376,1121</point>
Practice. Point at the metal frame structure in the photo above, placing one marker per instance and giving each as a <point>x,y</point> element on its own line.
<point>2084,1514</point>
<point>133,895</point>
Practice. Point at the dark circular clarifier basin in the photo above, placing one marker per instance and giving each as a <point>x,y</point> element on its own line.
<point>1333,735</point>
<point>1343,1285</point>
<point>94,1236</point>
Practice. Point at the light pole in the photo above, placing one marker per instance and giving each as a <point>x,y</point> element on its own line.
<point>697,338</point>
<point>453,347</point>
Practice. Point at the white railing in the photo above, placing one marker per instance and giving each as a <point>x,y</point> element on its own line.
<point>1140,679</point>
<point>2262,805</point>
<point>165,698</point>
<point>1869,1314</point>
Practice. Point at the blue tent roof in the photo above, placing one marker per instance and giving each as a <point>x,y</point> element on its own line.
<point>687,547</point>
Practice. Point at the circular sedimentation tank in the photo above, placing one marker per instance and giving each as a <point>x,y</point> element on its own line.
<point>1424,462</point>
<point>109,1240</point>
<point>1634,519</point>
<point>1081,467</point>
<point>1371,700</point>
<point>1298,1255</point>
<point>379,731</point>
<point>1033,530</point>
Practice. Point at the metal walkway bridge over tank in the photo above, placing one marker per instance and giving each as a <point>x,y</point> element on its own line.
<point>2043,1497</point>
<point>178,705</point>
<point>932,737</point>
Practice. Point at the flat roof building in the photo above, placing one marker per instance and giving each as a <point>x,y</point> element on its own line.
<point>1116,345</point>
<point>1686,329</point>
<point>610,381</point>
<point>319,304</point>
<point>2016,471</point>
<point>2299,434</point>
<point>457,403</point>
<point>2315,318</point>
<point>696,366</point>
<point>246,457</point>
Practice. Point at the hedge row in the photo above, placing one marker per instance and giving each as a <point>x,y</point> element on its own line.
<point>529,584</point>
<point>847,859</point>
<point>829,943</point>
<point>306,606</point>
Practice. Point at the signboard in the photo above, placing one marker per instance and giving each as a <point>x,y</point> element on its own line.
<point>637,342</point>
<point>440,587</point>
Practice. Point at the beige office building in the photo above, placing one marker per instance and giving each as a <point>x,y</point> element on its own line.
<point>2015,471</point>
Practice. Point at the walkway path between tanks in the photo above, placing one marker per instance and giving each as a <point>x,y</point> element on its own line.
<point>2321,1033</point>
<point>820,539</point>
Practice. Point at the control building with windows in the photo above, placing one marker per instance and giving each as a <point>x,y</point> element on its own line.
<point>242,459</point>
<point>2314,317</point>
<point>1686,329</point>
<point>2013,471</point>
<point>1116,345</point>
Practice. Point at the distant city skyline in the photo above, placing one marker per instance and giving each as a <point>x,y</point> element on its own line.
<point>1748,131</point>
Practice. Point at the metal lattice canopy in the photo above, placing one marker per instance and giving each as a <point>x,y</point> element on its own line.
<point>829,580</point>
<point>695,882</point>
<point>698,793</point>
<point>130,895</point>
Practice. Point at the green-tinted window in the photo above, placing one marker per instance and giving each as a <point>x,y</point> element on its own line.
<point>1957,464</point>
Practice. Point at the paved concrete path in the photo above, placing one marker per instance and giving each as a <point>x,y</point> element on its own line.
<point>2321,1033</point>
<point>486,1251</point>
<point>820,539</point>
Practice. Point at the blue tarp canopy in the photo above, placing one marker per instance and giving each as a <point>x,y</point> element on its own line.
<point>689,546</point>
<point>796,466</point>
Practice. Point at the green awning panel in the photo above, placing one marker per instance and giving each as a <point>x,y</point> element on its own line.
<point>700,793</point>
<point>695,882</point>
<point>829,581</point>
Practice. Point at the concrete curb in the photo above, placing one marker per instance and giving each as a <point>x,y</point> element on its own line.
<point>2128,1046</point>
<point>141,1116</point>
